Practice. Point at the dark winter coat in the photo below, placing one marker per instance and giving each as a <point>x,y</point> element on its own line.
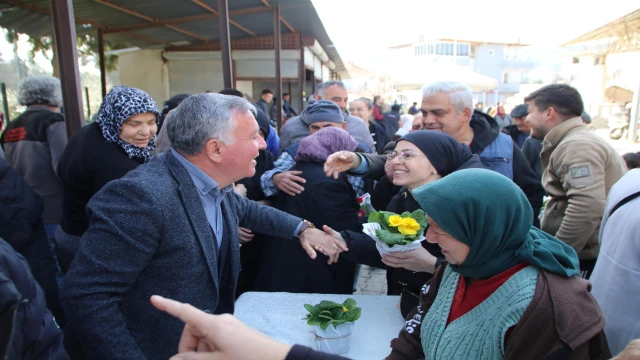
<point>87,164</point>
<point>251,252</point>
<point>391,123</point>
<point>518,136</point>
<point>27,328</point>
<point>325,201</point>
<point>380,136</point>
<point>21,226</point>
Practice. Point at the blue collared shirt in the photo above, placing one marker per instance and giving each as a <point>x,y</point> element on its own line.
<point>210,195</point>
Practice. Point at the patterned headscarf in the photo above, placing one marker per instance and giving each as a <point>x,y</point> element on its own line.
<point>121,103</point>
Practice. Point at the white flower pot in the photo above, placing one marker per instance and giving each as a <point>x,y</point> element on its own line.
<point>333,340</point>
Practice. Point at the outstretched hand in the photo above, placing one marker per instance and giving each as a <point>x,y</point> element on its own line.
<point>218,337</point>
<point>340,162</point>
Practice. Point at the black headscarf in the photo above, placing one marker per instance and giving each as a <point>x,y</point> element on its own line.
<point>444,152</point>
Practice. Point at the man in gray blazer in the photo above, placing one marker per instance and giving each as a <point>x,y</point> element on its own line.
<point>170,227</point>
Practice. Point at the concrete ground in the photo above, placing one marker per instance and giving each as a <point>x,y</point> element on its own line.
<point>371,281</point>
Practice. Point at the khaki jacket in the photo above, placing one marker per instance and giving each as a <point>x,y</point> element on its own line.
<point>579,168</point>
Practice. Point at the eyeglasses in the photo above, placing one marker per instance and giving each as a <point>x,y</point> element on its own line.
<point>402,156</point>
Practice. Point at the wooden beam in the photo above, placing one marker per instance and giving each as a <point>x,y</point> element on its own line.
<point>148,38</point>
<point>81,21</point>
<point>160,22</point>
<point>188,33</point>
<point>213,11</point>
<point>48,12</point>
<point>287,25</point>
<point>149,18</point>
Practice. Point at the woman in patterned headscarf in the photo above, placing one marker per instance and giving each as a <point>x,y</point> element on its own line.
<point>122,138</point>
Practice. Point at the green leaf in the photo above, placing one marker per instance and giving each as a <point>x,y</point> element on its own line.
<point>353,314</point>
<point>327,305</point>
<point>312,309</point>
<point>349,303</point>
<point>391,238</point>
<point>420,217</point>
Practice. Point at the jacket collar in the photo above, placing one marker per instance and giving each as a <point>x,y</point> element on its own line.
<point>555,136</point>
<point>195,212</point>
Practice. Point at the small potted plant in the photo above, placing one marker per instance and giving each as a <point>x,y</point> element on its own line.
<point>332,324</point>
<point>396,233</point>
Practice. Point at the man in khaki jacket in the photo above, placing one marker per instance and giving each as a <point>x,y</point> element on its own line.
<point>578,168</point>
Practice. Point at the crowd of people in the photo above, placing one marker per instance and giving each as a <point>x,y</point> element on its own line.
<point>147,219</point>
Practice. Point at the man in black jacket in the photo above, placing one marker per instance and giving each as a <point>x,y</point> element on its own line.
<point>27,329</point>
<point>21,226</point>
<point>448,107</point>
<point>521,130</point>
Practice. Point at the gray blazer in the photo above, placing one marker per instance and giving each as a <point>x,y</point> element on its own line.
<point>148,234</point>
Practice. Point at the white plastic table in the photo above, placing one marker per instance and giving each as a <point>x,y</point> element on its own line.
<point>279,315</point>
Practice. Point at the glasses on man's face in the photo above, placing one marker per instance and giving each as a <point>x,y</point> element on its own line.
<point>402,155</point>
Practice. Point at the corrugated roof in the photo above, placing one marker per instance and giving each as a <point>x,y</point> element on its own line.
<point>32,18</point>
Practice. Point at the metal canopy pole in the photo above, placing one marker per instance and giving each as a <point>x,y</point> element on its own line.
<point>103,71</point>
<point>276,43</point>
<point>633,116</point>
<point>5,104</point>
<point>225,43</point>
<point>64,30</point>
<point>301,77</point>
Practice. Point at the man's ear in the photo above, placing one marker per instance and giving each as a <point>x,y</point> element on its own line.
<point>467,112</point>
<point>344,126</point>
<point>317,97</point>
<point>214,149</point>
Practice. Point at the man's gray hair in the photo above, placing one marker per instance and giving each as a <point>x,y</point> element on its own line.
<point>460,95</point>
<point>40,90</point>
<point>202,117</point>
<point>320,89</point>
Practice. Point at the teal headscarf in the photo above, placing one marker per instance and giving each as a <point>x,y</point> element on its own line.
<point>490,214</point>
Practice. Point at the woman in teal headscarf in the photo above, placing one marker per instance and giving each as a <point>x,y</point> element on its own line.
<point>507,291</point>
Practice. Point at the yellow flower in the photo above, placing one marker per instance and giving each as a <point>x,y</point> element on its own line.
<point>395,220</point>
<point>408,226</point>
<point>344,309</point>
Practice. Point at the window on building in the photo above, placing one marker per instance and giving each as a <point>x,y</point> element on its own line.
<point>576,60</point>
<point>443,49</point>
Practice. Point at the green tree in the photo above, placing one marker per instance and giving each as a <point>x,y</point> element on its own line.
<point>87,49</point>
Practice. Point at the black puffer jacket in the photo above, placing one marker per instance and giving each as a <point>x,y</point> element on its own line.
<point>27,329</point>
<point>21,226</point>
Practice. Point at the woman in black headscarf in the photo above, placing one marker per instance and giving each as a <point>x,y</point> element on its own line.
<point>419,158</point>
<point>122,138</point>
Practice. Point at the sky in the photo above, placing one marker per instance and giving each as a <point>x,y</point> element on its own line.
<point>360,28</point>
